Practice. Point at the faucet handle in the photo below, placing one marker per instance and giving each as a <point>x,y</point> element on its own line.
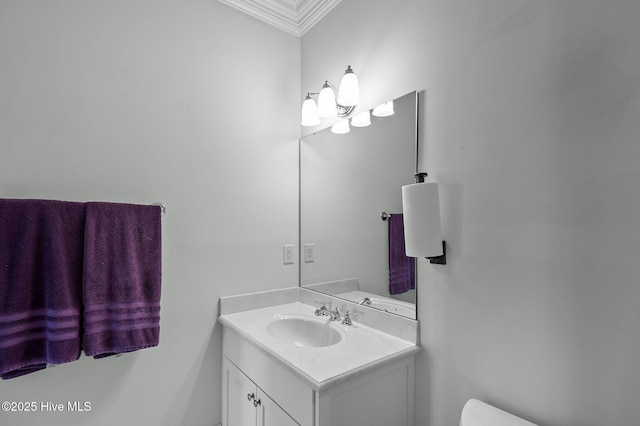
<point>347,319</point>
<point>322,309</point>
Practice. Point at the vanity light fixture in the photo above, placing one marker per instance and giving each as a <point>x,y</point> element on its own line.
<point>328,106</point>
<point>421,217</point>
<point>341,127</point>
<point>310,115</point>
<point>362,119</point>
<point>384,110</point>
<point>349,92</point>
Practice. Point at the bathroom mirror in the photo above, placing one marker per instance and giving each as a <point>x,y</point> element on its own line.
<point>347,182</point>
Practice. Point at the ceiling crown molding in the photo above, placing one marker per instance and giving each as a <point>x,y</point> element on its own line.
<point>293,16</point>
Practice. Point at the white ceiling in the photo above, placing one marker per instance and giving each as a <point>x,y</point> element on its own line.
<point>292,16</point>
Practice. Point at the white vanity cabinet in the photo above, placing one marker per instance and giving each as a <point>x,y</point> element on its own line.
<point>380,394</point>
<point>246,404</point>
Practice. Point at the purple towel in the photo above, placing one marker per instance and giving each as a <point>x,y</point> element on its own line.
<point>402,269</point>
<point>40,284</point>
<point>122,278</point>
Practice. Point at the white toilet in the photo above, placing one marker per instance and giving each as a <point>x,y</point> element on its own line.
<point>478,413</point>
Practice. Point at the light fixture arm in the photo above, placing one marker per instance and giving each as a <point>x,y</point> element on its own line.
<point>345,111</point>
<point>341,110</point>
<point>335,89</point>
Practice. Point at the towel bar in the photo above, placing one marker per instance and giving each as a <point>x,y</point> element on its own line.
<point>385,215</point>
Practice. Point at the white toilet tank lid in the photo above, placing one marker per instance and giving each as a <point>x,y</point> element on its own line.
<point>478,413</point>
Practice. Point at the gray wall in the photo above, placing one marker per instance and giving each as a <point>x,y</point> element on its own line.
<point>531,127</point>
<point>185,102</point>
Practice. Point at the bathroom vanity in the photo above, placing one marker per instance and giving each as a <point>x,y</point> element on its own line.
<point>283,365</point>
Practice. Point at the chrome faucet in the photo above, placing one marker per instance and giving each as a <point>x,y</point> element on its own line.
<point>365,301</point>
<point>322,311</point>
<point>336,315</point>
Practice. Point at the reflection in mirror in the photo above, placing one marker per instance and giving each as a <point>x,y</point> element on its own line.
<point>346,182</point>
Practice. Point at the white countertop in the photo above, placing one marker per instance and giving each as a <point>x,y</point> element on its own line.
<point>361,347</point>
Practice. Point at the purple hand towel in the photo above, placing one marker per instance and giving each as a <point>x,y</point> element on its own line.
<point>122,278</point>
<point>402,269</point>
<point>41,255</point>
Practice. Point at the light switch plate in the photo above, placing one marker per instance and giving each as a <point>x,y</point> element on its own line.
<point>287,254</point>
<point>309,253</point>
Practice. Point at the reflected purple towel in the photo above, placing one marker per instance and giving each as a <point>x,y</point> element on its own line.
<point>122,278</point>
<point>402,269</point>
<point>40,284</point>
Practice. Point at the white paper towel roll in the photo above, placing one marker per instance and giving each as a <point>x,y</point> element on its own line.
<point>421,210</point>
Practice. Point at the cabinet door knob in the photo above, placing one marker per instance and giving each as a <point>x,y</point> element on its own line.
<point>256,402</point>
<point>251,396</point>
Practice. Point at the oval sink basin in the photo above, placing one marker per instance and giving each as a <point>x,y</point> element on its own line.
<point>304,331</point>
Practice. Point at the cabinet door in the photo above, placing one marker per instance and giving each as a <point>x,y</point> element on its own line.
<point>270,413</point>
<point>239,392</point>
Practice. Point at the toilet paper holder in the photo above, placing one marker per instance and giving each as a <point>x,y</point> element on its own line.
<point>442,259</point>
<point>422,228</point>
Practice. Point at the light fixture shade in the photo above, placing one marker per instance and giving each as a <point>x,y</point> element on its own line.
<point>327,102</point>
<point>362,119</point>
<point>309,112</point>
<point>384,110</point>
<point>421,216</point>
<point>341,127</point>
<point>349,91</point>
